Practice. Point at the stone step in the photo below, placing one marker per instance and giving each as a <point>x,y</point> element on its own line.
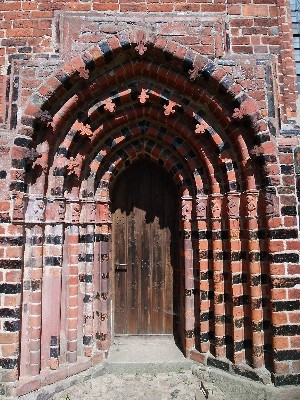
<point>146,354</point>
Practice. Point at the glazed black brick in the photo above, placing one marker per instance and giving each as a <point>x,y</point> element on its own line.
<point>10,264</point>
<point>101,238</point>
<point>244,344</point>
<point>287,169</point>
<point>8,363</point>
<point>204,295</point>
<point>86,278</point>
<point>240,322</point>
<point>52,261</point>
<point>286,305</point>
<point>287,257</point>
<point>53,341</point>
<point>11,326</point>
<point>86,238</point>
<point>85,257</point>
<point>32,285</point>
<point>283,234</point>
<point>22,142</point>
<point>18,164</point>
<point>18,186</point>
<point>190,333</point>
<point>287,330</point>
<point>11,241</point>
<point>290,379</point>
<point>10,313</point>
<point>240,278</point>
<point>10,288</point>
<point>52,239</point>
<point>285,282</point>
<point>206,316</point>
<point>289,210</point>
<point>241,300</point>
<point>87,340</point>
<point>54,352</point>
<point>87,298</point>
<point>260,280</point>
<point>285,355</point>
<point>262,325</point>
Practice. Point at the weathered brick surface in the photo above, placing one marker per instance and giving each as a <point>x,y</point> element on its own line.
<point>208,98</point>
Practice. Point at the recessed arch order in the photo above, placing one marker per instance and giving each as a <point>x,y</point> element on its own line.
<point>99,114</point>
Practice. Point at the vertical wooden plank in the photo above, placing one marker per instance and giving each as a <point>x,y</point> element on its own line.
<point>120,258</point>
<point>156,277</point>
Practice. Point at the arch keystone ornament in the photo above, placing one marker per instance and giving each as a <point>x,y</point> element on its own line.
<point>144,96</point>
<point>219,222</point>
<point>141,42</point>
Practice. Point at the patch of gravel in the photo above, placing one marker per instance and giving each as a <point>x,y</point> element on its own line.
<point>162,386</point>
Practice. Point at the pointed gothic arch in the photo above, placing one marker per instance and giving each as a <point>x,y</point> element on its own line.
<point>89,121</point>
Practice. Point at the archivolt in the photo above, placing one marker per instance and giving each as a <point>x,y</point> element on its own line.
<point>89,121</point>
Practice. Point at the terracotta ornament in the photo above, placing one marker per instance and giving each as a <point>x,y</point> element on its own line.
<point>216,206</point>
<point>83,73</point>
<point>143,96</point>
<point>194,73</point>
<point>201,204</point>
<point>109,105</point>
<point>169,108</point>
<point>84,130</point>
<point>233,205</point>
<point>186,209</point>
<point>251,204</point>
<point>201,128</point>
<point>141,41</point>
<point>74,164</point>
<point>271,203</point>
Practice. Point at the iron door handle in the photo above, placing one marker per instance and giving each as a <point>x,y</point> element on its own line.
<point>120,267</point>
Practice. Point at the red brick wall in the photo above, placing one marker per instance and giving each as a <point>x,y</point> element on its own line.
<point>229,77</point>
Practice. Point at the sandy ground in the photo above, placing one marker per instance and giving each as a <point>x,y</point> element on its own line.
<point>163,386</point>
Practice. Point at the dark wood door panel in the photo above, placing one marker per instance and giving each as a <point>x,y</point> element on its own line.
<point>144,227</point>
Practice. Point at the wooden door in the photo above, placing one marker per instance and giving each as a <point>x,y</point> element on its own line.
<point>144,231</point>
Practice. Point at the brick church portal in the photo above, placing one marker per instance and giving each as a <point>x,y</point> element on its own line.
<point>151,167</point>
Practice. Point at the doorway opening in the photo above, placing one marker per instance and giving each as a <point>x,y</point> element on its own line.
<point>145,227</point>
